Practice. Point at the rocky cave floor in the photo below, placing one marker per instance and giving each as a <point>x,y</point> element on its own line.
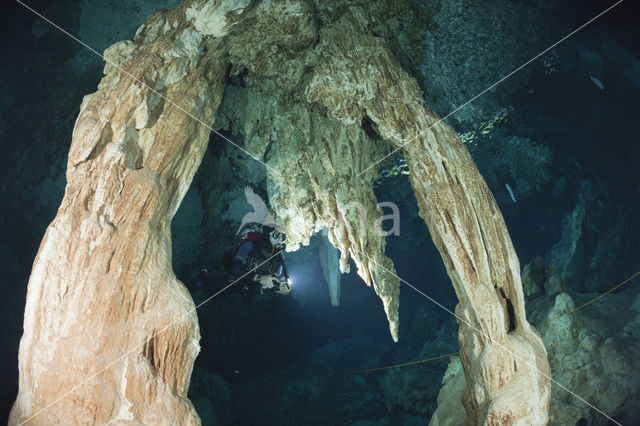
<point>558,148</point>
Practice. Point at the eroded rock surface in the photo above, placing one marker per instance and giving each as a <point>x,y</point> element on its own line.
<point>275,54</point>
<point>592,351</point>
<point>502,355</point>
<point>110,334</point>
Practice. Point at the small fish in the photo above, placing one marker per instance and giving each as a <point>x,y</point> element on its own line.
<point>597,82</point>
<point>510,192</point>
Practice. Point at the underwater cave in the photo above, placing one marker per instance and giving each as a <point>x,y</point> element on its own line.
<point>304,212</point>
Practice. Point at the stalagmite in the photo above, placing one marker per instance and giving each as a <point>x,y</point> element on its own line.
<point>110,335</point>
<point>503,357</point>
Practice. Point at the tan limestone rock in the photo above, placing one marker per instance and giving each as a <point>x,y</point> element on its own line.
<point>313,158</point>
<point>110,334</point>
<point>502,355</point>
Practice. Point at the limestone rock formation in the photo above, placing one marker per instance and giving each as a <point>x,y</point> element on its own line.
<point>503,356</point>
<point>587,253</point>
<point>568,253</point>
<point>110,334</point>
<point>319,98</point>
<point>591,351</point>
<point>450,410</point>
<point>317,156</point>
<point>533,278</point>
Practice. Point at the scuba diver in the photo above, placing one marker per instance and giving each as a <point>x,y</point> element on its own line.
<point>259,252</point>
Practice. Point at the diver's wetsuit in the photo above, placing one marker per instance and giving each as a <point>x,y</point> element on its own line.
<point>255,255</point>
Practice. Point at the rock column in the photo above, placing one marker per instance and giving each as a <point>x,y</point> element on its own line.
<point>503,357</point>
<point>110,334</point>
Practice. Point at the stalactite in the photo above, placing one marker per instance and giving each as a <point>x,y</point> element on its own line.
<point>330,262</point>
<point>316,155</point>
